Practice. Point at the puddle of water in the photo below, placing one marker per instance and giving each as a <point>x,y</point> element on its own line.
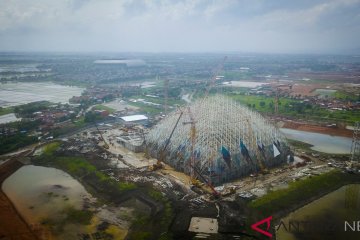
<point>13,94</point>
<point>324,218</point>
<point>321,142</point>
<point>40,193</point>
<point>7,118</point>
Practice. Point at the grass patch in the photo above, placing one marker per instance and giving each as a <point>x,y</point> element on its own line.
<point>146,108</point>
<point>299,144</point>
<point>7,110</point>
<point>295,108</point>
<point>50,148</point>
<point>79,167</point>
<point>78,216</point>
<point>345,96</point>
<point>102,107</point>
<point>300,191</point>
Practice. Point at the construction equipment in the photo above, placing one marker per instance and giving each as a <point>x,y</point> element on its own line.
<point>216,73</point>
<point>192,138</point>
<point>193,170</point>
<point>166,89</point>
<point>161,158</point>
<point>215,193</point>
<point>106,146</point>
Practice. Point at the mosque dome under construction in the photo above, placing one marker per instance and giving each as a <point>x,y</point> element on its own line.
<point>217,139</point>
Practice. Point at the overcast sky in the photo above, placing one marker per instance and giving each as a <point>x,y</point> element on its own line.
<point>270,26</point>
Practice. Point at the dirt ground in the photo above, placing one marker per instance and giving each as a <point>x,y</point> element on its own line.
<point>318,129</point>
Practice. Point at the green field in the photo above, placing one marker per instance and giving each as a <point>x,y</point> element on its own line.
<point>102,107</point>
<point>296,108</point>
<point>300,191</point>
<point>7,110</point>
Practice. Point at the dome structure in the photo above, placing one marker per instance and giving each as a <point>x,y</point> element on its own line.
<point>217,139</point>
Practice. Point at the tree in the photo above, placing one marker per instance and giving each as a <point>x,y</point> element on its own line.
<point>262,104</point>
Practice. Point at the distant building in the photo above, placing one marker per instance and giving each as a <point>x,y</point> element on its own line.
<point>134,119</point>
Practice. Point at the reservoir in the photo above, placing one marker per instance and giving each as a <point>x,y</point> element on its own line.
<point>324,218</point>
<point>13,94</point>
<point>321,142</point>
<point>40,193</point>
<point>7,118</point>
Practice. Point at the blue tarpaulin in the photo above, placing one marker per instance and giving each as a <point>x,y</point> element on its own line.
<point>226,156</point>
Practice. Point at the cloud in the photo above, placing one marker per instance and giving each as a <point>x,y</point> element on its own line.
<point>179,25</point>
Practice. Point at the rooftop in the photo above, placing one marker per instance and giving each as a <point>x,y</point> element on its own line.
<point>132,118</point>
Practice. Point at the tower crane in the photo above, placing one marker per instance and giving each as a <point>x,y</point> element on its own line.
<point>166,90</point>
<point>213,78</point>
<point>106,146</point>
<point>158,164</point>
<point>194,172</point>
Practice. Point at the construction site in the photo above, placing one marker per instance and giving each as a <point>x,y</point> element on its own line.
<point>194,172</point>
<point>216,140</point>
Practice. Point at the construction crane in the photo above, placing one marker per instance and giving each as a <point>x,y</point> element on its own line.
<point>194,172</point>
<point>106,146</point>
<point>192,139</point>
<point>166,89</point>
<point>213,191</point>
<point>213,79</point>
<point>158,164</point>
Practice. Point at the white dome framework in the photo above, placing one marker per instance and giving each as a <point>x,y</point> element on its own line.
<point>220,122</point>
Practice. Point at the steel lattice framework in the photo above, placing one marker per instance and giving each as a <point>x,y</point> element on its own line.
<point>220,122</point>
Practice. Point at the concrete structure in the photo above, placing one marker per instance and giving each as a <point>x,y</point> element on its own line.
<point>134,119</point>
<point>203,225</point>
<point>132,142</point>
<point>231,140</point>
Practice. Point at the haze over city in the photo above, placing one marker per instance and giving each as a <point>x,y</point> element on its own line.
<point>179,119</point>
<point>181,26</point>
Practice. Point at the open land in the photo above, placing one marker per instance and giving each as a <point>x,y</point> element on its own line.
<point>87,138</point>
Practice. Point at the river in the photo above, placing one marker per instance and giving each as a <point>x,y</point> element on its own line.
<point>321,142</point>
<point>324,218</point>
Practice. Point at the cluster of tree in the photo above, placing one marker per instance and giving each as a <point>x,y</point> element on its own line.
<point>24,125</point>
<point>91,117</point>
<point>12,143</point>
<point>28,109</point>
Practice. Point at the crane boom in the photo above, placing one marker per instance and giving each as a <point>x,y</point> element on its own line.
<point>161,158</point>
<point>213,79</point>
<point>106,146</point>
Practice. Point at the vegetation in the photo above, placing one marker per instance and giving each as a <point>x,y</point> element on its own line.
<point>143,226</point>
<point>295,108</point>
<point>28,109</point>
<point>345,96</point>
<point>146,108</point>
<point>7,110</point>
<point>78,216</point>
<point>79,167</point>
<point>50,148</point>
<point>14,142</point>
<point>299,144</point>
<point>300,191</point>
<point>102,107</point>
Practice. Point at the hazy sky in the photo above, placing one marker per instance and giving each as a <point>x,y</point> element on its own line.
<point>280,26</point>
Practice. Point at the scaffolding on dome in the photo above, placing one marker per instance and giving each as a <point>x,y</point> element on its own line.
<point>231,140</point>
